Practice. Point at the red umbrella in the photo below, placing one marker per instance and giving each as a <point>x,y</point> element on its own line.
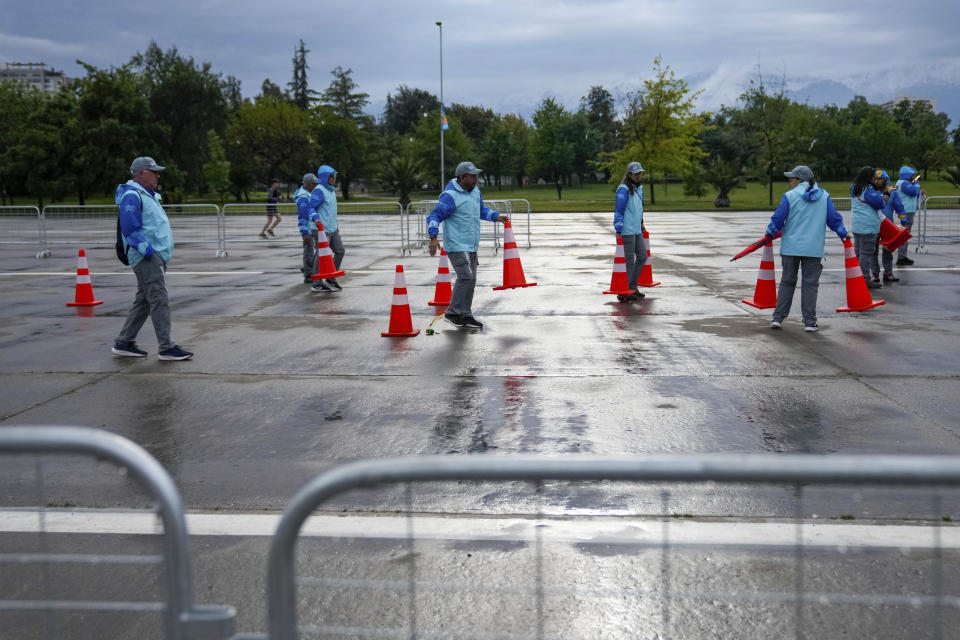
<point>756,245</point>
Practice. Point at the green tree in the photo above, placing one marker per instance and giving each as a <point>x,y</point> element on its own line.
<point>216,170</point>
<point>38,158</point>
<point>602,126</point>
<point>425,142</point>
<point>552,147</point>
<point>18,102</point>
<point>927,138</point>
<point>342,97</point>
<point>762,120</point>
<point>504,151</point>
<point>300,92</point>
<point>403,111</point>
<point>401,175</point>
<point>661,128</point>
<point>476,121</point>
<point>341,142</point>
<point>271,92</point>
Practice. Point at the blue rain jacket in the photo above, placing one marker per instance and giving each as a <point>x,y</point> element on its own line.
<point>804,213</point>
<point>323,200</point>
<point>143,223</point>
<point>628,211</point>
<point>865,210</point>
<point>909,191</point>
<point>460,212</point>
<point>305,222</point>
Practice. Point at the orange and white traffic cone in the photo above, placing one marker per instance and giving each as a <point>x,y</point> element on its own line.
<point>512,269</point>
<point>441,295</point>
<point>858,296</point>
<point>618,282</point>
<point>765,295</point>
<point>645,279</point>
<point>326,269</point>
<point>83,296</point>
<point>401,323</point>
<point>892,236</point>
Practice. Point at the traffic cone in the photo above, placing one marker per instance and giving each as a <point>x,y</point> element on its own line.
<point>401,324</point>
<point>858,296</point>
<point>512,269</point>
<point>84,293</point>
<point>326,269</point>
<point>645,279</point>
<point>892,236</point>
<point>765,295</point>
<point>441,295</point>
<point>618,282</point>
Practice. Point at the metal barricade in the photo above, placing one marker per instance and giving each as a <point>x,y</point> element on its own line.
<point>96,225</point>
<point>938,221</point>
<point>23,226</point>
<point>419,210</point>
<point>183,620</point>
<point>798,544</point>
<point>360,223</point>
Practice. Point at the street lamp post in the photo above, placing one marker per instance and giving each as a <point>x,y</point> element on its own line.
<point>440,25</point>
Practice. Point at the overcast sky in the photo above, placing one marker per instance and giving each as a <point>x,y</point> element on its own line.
<point>507,55</point>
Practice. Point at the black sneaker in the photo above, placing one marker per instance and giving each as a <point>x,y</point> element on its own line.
<point>636,296</point>
<point>471,322</point>
<point>904,261</point>
<point>332,283</point>
<point>321,287</point>
<point>623,298</point>
<point>176,353</point>
<point>271,233</point>
<point>889,277</point>
<point>455,319</point>
<point>128,349</point>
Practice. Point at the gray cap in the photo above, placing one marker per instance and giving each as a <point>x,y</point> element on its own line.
<point>310,178</point>
<point>144,163</point>
<point>800,171</point>
<point>467,167</point>
<point>634,167</point>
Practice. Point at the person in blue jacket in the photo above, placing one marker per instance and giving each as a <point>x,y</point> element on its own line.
<point>628,223</point>
<point>894,205</point>
<point>866,208</point>
<point>804,213</point>
<point>909,187</point>
<point>149,243</point>
<point>323,207</point>
<point>308,228</point>
<point>460,208</point>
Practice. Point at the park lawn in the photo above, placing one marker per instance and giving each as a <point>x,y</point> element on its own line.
<point>590,197</point>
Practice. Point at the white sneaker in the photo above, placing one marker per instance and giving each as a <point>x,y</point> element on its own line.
<point>811,327</point>
<point>775,324</point>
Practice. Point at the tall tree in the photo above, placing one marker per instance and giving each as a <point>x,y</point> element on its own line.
<point>762,120</point>
<point>602,126</point>
<point>401,174</point>
<point>18,102</point>
<point>552,148</point>
<point>927,138</point>
<point>342,143</point>
<point>476,121</point>
<point>342,96</point>
<point>504,151</point>
<point>403,111</point>
<point>270,91</point>
<point>457,147</point>
<point>216,171</point>
<point>300,92</point>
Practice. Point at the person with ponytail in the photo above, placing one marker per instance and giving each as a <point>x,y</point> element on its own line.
<point>867,203</point>
<point>804,213</point>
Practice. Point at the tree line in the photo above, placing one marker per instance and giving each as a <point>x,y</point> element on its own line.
<point>79,142</point>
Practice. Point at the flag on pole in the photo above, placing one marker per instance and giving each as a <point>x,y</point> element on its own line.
<point>444,125</point>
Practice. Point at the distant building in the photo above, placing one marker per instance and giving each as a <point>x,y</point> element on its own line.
<point>35,74</point>
<point>891,104</point>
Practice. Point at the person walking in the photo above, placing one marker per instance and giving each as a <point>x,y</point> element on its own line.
<point>628,223</point>
<point>460,208</point>
<point>866,206</point>
<point>307,225</point>
<point>908,185</point>
<point>323,206</point>
<point>148,241</point>
<point>804,213</point>
<point>273,197</point>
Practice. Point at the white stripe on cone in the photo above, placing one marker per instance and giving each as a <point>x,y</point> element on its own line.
<point>509,254</point>
<point>82,263</point>
<point>400,300</point>
<point>81,279</point>
<point>853,272</point>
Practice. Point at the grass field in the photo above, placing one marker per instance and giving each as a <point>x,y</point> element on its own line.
<point>595,197</point>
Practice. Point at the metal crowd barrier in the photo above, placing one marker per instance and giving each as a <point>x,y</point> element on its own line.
<point>360,223</point>
<point>800,588</point>
<point>96,225</point>
<point>938,221</point>
<point>419,238</point>
<point>23,225</point>
<point>183,620</point>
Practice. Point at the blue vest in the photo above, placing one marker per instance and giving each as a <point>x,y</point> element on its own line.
<point>805,229</point>
<point>155,226</point>
<point>633,213</point>
<point>909,202</point>
<point>328,208</point>
<point>863,218</point>
<point>299,194</point>
<point>461,231</point>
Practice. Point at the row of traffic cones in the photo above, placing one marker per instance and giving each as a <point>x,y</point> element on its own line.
<point>618,283</point>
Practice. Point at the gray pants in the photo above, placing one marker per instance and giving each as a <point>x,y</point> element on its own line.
<point>464,263</point>
<point>907,222</point>
<point>635,252</point>
<point>886,257</point>
<point>865,246</point>
<point>151,300</point>
<point>809,286</point>
<point>336,246</point>
<point>310,258</point>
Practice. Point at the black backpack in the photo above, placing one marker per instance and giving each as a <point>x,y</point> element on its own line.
<point>121,251</point>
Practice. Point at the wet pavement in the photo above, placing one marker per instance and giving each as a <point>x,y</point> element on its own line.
<point>286,383</point>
